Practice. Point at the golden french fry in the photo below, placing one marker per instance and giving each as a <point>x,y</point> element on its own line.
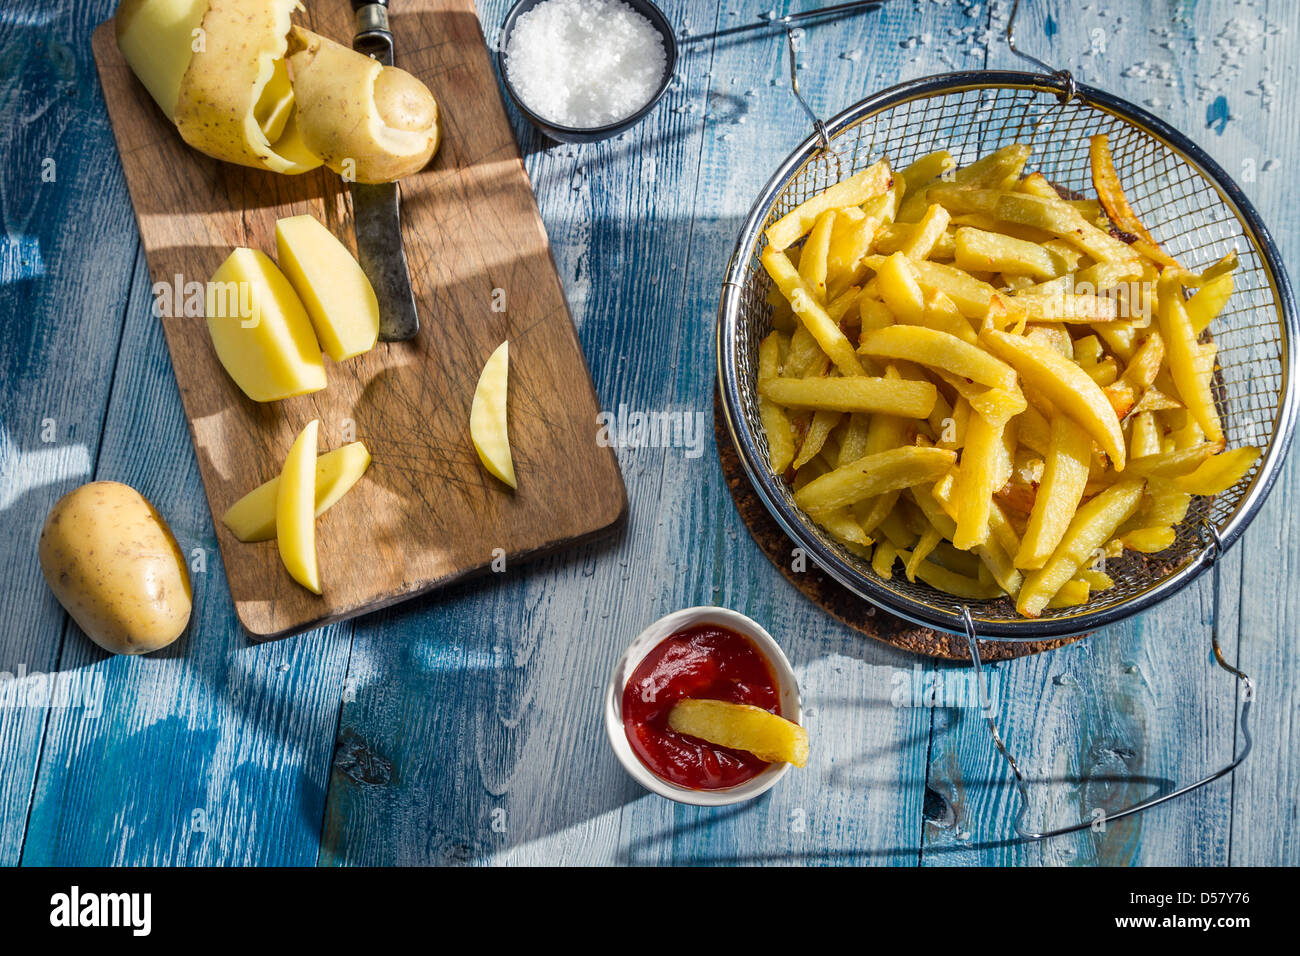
<point>1184,358</point>
<point>803,300</point>
<point>1073,593</point>
<point>776,424</point>
<point>938,350</point>
<point>1148,540</point>
<point>896,283</point>
<point>873,475</point>
<point>814,439</point>
<point>860,394</point>
<point>1066,385</point>
<point>1208,302</point>
<point>923,239</point>
<point>1065,474</point>
<point>976,482</point>
<point>1092,526</point>
<point>1111,194</point>
<point>853,191</point>
<point>952,582</point>
<point>1219,473</point>
<point>741,727</point>
<point>812,257</point>
<point>994,252</point>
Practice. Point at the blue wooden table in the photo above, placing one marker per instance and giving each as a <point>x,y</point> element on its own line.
<point>465,727</point>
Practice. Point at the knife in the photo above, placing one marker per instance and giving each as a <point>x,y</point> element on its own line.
<point>376,208</point>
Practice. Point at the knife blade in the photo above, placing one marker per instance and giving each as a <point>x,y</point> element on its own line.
<point>376,207</point>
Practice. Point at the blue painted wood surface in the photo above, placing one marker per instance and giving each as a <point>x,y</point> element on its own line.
<point>465,727</point>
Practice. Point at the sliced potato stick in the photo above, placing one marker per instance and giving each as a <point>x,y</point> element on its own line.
<point>1065,474</point>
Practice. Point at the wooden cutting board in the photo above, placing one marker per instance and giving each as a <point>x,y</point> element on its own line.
<point>426,513</point>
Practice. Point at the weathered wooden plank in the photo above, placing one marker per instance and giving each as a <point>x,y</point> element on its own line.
<point>212,751</point>
<point>65,270</point>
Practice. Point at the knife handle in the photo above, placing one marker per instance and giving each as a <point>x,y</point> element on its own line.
<point>358,4</point>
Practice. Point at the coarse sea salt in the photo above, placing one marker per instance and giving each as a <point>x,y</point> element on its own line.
<point>584,63</point>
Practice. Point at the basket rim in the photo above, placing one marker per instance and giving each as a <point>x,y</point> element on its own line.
<point>759,472</point>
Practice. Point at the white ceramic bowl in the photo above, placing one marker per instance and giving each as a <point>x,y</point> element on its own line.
<point>647,640</point>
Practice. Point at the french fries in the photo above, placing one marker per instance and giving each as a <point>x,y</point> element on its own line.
<point>741,727</point>
<point>987,387</point>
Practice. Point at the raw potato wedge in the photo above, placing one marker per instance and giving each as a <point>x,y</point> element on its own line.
<point>252,517</point>
<point>338,296</point>
<point>260,329</point>
<point>741,727</point>
<point>488,421</point>
<point>295,510</point>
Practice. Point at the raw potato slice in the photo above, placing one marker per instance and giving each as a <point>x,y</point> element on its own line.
<point>487,416</point>
<point>295,511</point>
<point>260,329</point>
<point>370,123</point>
<point>741,727</point>
<point>218,103</point>
<point>252,517</point>
<point>337,294</point>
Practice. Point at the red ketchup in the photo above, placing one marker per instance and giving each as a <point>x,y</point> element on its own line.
<point>709,662</point>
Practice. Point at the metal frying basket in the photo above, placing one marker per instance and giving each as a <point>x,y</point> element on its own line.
<point>1193,207</point>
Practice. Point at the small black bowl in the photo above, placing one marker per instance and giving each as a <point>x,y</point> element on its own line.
<point>571,134</point>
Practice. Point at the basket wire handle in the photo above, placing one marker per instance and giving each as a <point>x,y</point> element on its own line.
<point>1064,76</point>
<point>1212,554</point>
<point>818,125</point>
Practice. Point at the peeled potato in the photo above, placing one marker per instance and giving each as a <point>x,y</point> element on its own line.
<point>220,70</point>
<point>369,123</point>
<point>260,329</point>
<point>114,565</point>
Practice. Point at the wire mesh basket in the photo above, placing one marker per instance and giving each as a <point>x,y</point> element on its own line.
<point>1195,211</point>
<point>1193,208</point>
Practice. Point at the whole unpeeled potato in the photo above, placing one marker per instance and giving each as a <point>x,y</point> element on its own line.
<point>114,565</point>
